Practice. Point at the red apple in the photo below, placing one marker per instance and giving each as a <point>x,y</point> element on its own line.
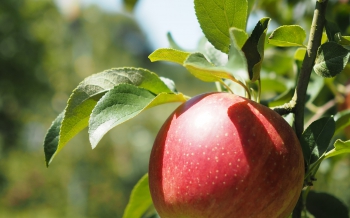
<point>221,155</point>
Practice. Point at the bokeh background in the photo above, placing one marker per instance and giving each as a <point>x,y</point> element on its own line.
<point>48,47</point>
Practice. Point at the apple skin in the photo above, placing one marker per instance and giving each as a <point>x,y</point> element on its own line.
<point>220,155</point>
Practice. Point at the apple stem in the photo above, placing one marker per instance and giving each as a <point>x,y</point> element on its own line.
<point>244,86</point>
<point>226,86</point>
<point>259,91</point>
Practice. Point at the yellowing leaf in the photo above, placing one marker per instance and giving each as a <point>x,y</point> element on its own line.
<point>169,54</point>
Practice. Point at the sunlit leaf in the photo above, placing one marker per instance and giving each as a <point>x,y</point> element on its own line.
<point>201,68</point>
<point>85,97</point>
<point>254,48</point>
<point>325,205</point>
<point>169,54</point>
<point>340,147</point>
<point>217,17</point>
<point>237,61</point>
<point>300,54</point>
<point>316,138</point>
<point>217,57</point>
<point>122,103</point>
<point>239,35</point>
<point>140,199</point>
<point>288,35</point>
<point>331,59</point>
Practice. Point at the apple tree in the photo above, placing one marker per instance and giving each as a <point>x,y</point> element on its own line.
<point>254,147</point>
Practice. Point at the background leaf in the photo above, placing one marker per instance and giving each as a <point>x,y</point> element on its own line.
<point>122,103</point>
<point>254,48</point>
<point>316,138</point>
<point>140,199</point>
<point>169,54</point>
<point>130,4</point>
<point>331,59</point>
<point>323,205</point>
<point>288,35</point>
<point>216,17</point>
<point>85,97</point>
<point>342,120</point>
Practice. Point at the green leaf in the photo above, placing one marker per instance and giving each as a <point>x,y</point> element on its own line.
<point>300,54</point>
<point>169,54</point>
<point>254,48</point>
<point>237,61</point>
<point>140,199</point>
<point>216,17</point>
<point>287,36</point>
<point>85,97</point>
<point>331,59</point>
<point>340,147</point>
<point>325,205</point>
<point>342,120</point>
<point>215,56</point>
<point>201,68</point>
<point>122,103</point>
<point>316,138</point>
<point>51,138</point>
<point>239,35</point>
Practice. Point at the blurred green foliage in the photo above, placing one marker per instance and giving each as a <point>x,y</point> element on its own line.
<point>44,54</point>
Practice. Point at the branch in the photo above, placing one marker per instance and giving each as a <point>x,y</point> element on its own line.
<point>286,108</point>
<point>316,31</point>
